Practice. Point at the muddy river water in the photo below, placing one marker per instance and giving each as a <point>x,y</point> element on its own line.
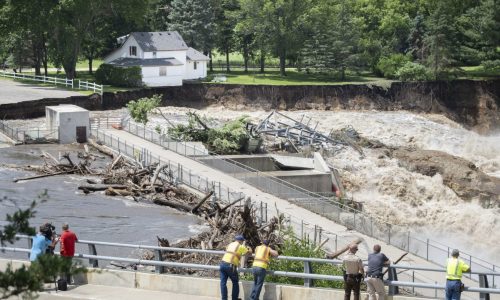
<point>92,217</point>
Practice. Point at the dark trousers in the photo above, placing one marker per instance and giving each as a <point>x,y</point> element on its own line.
<point>351,284</point>
<point>228,271</point>
<point>259,274</point>
<point>453,289</point>
<point>66,268</point>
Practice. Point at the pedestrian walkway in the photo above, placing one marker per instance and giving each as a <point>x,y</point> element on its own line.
<point>91,291</point>
<point>286,207</point>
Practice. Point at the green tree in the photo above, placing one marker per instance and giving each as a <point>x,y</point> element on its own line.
<point>225,23</point>
<point>34,30</point>
<point>194,20</point>
<point>140,109</point>
<point>72,20</point>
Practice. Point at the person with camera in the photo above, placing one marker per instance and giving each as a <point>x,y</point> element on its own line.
<point>353,273</point>
<point>45,240</point>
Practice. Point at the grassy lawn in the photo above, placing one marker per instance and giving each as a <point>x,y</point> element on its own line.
<point>479,72</point>
<point>299,78</point>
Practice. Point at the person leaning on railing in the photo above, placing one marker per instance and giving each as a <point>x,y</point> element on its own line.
<point>229,266</point>
<point>263,254</point>
<point>374,281</point>
<point>454,269</point>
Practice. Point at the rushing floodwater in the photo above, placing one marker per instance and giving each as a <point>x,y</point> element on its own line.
<point>92,217</point>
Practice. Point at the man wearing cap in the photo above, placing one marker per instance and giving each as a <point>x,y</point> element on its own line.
<point>229,266</point>
<point>454,269</point>
<point>374,282</point>
<point>353,273</point>
<point>261,261</point>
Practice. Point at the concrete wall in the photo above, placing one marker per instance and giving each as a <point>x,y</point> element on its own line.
<point>192,285</point>
<point>68,121</point>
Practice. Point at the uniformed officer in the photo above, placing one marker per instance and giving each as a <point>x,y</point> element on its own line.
<point>454,269</point>
<point>353,273</point>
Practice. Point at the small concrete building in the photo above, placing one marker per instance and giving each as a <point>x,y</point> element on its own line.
<point>71,121</point>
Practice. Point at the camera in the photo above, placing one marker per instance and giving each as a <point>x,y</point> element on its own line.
<point>48,230</point>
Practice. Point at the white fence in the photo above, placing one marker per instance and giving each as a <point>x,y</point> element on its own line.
<point>70,83</point>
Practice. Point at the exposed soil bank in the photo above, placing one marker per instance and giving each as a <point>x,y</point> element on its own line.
<point>471,103</point>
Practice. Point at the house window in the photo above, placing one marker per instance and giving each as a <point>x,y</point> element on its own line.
<point>133,51</point>
<point>195,65</point>
<point>154,54</point>
<point>163,71</point>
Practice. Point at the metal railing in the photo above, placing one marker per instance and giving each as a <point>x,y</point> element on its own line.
<point>70,83</point>
<point>188,177</point>
<point>27,135</point>
<point>395,235</point>
<point>308,275</point>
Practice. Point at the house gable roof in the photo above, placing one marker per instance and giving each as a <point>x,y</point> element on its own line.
<point>150,62</point>
<point>159,41</point>
<point>195,55</point>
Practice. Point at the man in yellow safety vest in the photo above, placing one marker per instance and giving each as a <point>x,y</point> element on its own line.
<point>261,261</point>
<point>229,266</point>
<point>454,269</point>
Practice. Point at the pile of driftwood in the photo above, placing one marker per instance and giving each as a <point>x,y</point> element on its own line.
<point>63,165</point>
<point>156,184</point>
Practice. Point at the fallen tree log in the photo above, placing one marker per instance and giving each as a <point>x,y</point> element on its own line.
<point>101,187</point>
<point>117,192</point>
<point>100,148</point>
<point>172,204</point>
<point>197,206</point>
<point>44,175</point>
<point>343,249</point>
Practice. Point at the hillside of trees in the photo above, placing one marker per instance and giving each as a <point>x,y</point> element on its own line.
<point>405,39</point>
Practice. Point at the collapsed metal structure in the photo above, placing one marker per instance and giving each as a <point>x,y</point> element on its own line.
<point>298,134</point>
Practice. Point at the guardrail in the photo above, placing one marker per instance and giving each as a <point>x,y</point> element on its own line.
<point>70,83</point>
<point>394,235</point>
<point>308,275</point>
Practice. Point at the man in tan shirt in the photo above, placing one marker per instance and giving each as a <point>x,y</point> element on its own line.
<point>353,273</point>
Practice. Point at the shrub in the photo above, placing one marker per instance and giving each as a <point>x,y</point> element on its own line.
<point>413,72</point>
<point>139,109</point>
<point>389,65</point>
<point>119,76</point>
<point>491,65</point>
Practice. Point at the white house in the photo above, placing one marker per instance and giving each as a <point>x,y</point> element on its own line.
<point>164,57</point>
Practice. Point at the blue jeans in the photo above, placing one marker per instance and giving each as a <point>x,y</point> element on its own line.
<point>259,274</point>
<point>228,271</point>
<point>453,289</point>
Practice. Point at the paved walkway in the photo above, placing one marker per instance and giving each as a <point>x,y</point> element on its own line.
<point>90,291</point>
<point>14,91</point>
<point>295,211</point>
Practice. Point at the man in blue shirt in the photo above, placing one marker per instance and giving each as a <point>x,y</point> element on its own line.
<point>40,244</point>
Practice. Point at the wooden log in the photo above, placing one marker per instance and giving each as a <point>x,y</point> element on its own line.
<point>321,245</point>
<point>343,249</point>
<point>117,192</point>
<point>227,206</point>
<point>44,175</point>
<point>172,204</point>
<point>102,149</point>
<point>398,260</point>
<point>115,161</point>
<point>101,187</point>
<point>197,206</point>
<point>157,173</point>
